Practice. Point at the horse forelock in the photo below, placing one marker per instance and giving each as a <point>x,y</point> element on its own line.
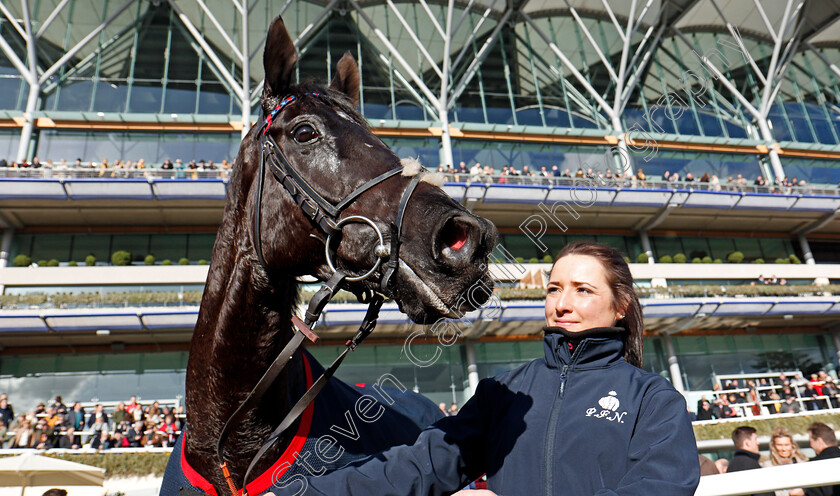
<point>334,99</point>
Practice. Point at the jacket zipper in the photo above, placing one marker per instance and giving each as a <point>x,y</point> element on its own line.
<point>550,442</point>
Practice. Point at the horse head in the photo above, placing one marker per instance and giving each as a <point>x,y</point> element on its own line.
<point>442,269</point>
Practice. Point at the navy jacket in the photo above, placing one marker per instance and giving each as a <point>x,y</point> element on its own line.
<point>343,424</point>
<point>586,423</point>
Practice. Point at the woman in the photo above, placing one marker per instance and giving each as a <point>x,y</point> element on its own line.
<point>784,451</point>
<point>583,420</point>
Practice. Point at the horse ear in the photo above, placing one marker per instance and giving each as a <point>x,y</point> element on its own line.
<point>347,79</point>
<point>278,60</point>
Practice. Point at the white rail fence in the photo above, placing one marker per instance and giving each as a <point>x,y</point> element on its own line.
<point>811,474</point>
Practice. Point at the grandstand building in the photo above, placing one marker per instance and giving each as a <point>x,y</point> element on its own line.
<point>642,90</point>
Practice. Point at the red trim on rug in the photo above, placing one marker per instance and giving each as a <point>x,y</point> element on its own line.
<point>264,481</point>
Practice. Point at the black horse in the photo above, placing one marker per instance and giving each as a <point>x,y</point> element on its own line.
<point>252,287</point>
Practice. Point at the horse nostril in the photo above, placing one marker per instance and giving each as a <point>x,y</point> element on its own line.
<point>454,235</point>
<point>455,239</point>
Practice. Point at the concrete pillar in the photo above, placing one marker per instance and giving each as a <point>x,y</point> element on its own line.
<point>809,259</point>
<point>472,367</point>
<point>645,239</point>
<point>806,250</point>
<point>673,364</point>
<point>6,246</point>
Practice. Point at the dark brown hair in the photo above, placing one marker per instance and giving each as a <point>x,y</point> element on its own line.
<point>824,432</point>
<point>741,434</point>
<point>621,283</point>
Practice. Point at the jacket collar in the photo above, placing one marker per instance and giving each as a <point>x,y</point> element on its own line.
<point>597,347</point>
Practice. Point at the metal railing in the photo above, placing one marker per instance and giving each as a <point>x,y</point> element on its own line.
<point>86,172</point>
<point>811,474</point>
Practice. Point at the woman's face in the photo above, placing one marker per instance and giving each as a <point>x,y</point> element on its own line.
<point>578,296</point>
<point>783,446</point>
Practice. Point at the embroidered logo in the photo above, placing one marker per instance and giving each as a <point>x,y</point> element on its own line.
<point>608,409</point>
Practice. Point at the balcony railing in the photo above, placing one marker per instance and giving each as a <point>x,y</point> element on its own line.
<point>146,298</point>
<point>156,173</point>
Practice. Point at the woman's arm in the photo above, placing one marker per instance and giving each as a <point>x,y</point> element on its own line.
<point>663,451</point>
<point>446,457</point>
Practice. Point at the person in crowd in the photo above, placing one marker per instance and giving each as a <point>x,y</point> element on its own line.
<point>705,411</point>
<point>453,409</point>
<point>746,452</point>
<point>824,443</point>
<point>76,417</point>
<point>707,466</point>
<point>810,397</point>
<point>51,417</point>
<point>722,465</point>
<point>754,400</point>
<point>58,406</point>
<point>830,390</point>
<point>168,431</point>
<point>23,432</point>
<point>775,404</point>
<point>598,442</point>
<point>705,178</point>
<point>43,442</point>
<point>784,451</point>
<point>119,414</point>
<point>101,441</point>
<point>790,406</point>
<point>118,440</point>
<point>135,434</point>
<point>69,439</point>
<point>100,424</point>
<point>98,412</point>
<point>442,407</point>
<point>7,413</point>
<point>689,177</point>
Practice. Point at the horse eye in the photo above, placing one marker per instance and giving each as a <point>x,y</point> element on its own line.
<point>305,133</point>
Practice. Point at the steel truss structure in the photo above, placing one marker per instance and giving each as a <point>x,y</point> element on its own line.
<point>634,72</point>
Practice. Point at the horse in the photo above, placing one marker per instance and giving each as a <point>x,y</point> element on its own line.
<point>266,242</point>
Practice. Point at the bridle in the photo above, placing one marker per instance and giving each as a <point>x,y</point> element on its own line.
<point>326,217</point>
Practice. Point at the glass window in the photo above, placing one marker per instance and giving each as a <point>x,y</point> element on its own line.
<point>616,242</point>
<point>213,99</point>
<point>695,247</point>
<point>146,97</point>
<point>51,246</point>
<point>136,244</point>
<point>110,95</point>
<point>721,247</point>
<point>200,246</point>
<point>520,246</point>
<point>180,98</point>
<point>98,245</point>
<point>666,245</point>
<point>168,246</point>
<point>774,248</point>
<point>749,247</point>
<point>75,94</point>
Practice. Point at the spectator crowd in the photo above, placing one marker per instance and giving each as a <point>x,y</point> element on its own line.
<point>508,174</point>
<point>770,396</point>
<point>56,425</point>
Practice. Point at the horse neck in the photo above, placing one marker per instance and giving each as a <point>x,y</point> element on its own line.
<point>242,326</point>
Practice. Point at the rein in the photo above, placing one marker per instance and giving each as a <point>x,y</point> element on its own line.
<point>325,216</point>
